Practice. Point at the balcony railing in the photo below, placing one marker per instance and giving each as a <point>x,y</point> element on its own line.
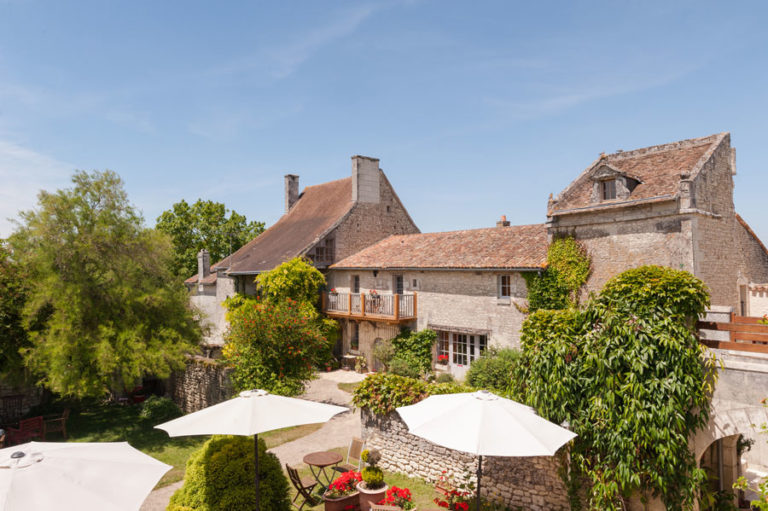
<point>392,308</point>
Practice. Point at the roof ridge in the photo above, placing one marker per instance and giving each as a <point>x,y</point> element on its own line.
<point>467,230</point>
<point>669,146</point>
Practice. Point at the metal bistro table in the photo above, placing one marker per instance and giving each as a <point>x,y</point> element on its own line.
<point>319,461</point>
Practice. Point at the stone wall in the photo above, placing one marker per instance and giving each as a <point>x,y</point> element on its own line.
<point>205,382</point>
<point>528,483</point>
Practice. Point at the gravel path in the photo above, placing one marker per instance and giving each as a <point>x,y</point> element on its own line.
<point>335,433</point>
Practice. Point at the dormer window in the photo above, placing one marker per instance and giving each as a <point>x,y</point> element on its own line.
<point>608,189</point>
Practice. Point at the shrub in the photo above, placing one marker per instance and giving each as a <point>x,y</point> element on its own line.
<point>494,369</point>
<point>383,351</point>
<point>158,409</point>
<point>444,378</point>
<point>381,393</point>
<point>405,364</point>
<point>415,348</point>
<point>219,477</point>
<point>373,477</point>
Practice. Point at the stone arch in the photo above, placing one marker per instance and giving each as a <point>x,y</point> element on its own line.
<point>721,462</point>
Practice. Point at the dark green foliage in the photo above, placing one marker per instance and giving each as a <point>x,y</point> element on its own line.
<point>220,477</point>
<point>494,369</point>
<point>103,308</point>
<point>204,225</point>
<point>384,351</point>
<point>13,337</point>
<point>631,378</point>
<point>383,392</point>
<point>413,353</point>
<point>559,285</point>
<point>157,410</point>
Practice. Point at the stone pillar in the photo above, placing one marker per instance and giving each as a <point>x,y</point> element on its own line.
<point>291,191</point>
<point>365,179</point>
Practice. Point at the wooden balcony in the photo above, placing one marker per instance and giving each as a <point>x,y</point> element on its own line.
<point>385,308</point>
<point>744,334</point>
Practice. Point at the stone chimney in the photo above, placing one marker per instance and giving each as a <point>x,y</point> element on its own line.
<point>365,179</point>
<point>503,222</point>
<point>291,191</point>
<point>203,264</point>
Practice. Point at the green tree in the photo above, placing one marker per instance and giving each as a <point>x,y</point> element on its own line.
<point>631,378</point>
<point>204,225</point>
<point>274,346</point>
<point>103,308</point>
<point>296,279</point>
<point>14,284</point>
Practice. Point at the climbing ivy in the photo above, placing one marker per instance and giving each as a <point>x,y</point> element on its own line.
<point>559,285</point>
<point>628,374</point>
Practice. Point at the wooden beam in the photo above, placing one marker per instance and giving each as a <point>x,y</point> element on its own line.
<point>732,327</point>
<point>397,306</point>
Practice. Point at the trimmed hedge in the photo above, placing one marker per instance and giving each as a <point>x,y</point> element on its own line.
<point>220,478</point>
<point>383,392</point>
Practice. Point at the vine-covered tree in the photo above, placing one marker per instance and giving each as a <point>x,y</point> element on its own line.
<point>629,375</point>
<point>103,308</point>
<point>204,225</point>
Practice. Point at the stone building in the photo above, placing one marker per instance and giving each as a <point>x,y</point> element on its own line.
<point>670,205</point>
<point>325,223</point>
<point>465,285</point>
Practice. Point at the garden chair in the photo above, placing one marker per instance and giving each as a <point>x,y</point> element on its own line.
<point>56,424</point>
<point>353,454</point>
<point>304,487</point>
<point>28,429</point>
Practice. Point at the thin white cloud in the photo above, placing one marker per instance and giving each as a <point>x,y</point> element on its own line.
<point>282,60</point>
<point>23,173</point>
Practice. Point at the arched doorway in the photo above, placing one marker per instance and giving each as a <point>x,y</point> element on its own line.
<point>721,461</point>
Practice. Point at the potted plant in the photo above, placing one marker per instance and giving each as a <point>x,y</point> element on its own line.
<point>372,488</point>
<point>342,493</point>
<point>400,497</point>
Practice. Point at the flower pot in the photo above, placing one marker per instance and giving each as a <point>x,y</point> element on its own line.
<point>368,497</point>
<point>342,503</point>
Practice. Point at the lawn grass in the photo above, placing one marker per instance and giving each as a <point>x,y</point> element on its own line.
<point>349,387</point>
<point>116,423</point>
<point>422,492</point>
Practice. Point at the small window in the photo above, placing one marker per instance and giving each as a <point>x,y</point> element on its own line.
<point>609,189</point>
<point>505,286</point>
<point>397,284</point>
<point>355,284</point>
<point>354,341</point>
<point>443,338</point>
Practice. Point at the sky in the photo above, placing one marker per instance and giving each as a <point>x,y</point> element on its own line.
<point>475,109</point>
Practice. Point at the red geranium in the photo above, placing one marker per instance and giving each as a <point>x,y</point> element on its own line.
<point>398,497</point>
<point>343,485</point>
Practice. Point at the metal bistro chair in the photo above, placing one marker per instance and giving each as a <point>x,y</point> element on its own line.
<point>304,487</point>
<point>353,454</point>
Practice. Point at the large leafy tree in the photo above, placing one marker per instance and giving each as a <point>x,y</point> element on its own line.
<point>14,285</point>
<point>629,375</point>
<point>204,225</point>
<point>103,308</point>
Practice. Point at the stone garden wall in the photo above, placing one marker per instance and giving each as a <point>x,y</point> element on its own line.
<point>205,382</point>
<point>525,483</point>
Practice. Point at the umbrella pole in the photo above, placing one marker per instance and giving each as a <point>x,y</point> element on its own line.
<point>256,464</point>
<point>479,475</point>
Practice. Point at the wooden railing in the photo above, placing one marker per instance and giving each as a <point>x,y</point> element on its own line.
<point>744,333</point>
<point>393,308</point>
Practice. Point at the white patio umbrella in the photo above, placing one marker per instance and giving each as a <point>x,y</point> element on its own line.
<point>250,413</point>
<point>483,424</point>
<point>76,476</point>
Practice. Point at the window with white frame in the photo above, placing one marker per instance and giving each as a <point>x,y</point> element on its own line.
<point>505,286</point>
<point>460,349</point>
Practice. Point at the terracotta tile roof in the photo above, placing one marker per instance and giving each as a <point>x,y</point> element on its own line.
<point>658,168</point>
<point>318,209</point>
<point>210,279</point>
<point>519,246</point>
